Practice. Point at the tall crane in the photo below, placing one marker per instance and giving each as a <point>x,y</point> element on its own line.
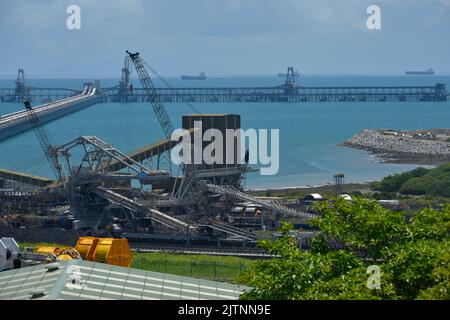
<point>45,141</point>
<point>155,101</point>
<point>150,90</point>
<point>167,127</point>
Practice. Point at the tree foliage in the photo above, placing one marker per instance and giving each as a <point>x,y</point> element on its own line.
<point>393,183</point>
<point>420,181</point>
<point>413,255</point>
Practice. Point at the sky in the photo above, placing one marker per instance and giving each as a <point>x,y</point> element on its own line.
<point>224,37</point>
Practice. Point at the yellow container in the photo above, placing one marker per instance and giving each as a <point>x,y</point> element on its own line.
<point>105,250</point>
<point>86,247</point>
<point>113,251</point>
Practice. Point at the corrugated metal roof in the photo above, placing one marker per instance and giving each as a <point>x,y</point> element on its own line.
<point>79,279</point>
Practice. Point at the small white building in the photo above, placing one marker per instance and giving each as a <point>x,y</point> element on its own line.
<point>313,197</point>
<point>391,204</point>
<point>346,197</point>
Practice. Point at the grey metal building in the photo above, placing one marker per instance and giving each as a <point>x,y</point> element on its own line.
<point>85,280</point>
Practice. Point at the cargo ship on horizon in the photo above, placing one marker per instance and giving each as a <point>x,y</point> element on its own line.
<point>200,76</point>
<point>420,73</point>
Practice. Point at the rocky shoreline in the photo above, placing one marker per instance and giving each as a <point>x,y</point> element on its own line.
<point>400,148</point>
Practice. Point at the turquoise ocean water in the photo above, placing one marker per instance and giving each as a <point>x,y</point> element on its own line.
<point>309,132</point>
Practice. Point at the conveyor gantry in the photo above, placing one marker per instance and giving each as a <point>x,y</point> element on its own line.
<point>274,206</point>
<point>18,122</point>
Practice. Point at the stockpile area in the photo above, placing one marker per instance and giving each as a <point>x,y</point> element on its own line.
<point>34,235</point>
<point>401,147</point>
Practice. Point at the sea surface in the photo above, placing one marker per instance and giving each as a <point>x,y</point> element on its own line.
<point>309,132</point>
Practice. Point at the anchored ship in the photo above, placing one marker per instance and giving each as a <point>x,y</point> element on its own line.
<point>420,73</point>
<point>200,76</point>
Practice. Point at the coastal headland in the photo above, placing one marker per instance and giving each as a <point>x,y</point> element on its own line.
<point>424,147</point>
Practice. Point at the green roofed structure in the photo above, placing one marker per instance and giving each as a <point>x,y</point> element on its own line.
<point>85,280</point>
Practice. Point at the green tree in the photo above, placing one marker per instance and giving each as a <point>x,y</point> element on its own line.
<point>412,254</point>
<point>393,183</point>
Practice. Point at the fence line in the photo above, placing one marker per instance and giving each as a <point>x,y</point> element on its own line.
<point>192,268</point>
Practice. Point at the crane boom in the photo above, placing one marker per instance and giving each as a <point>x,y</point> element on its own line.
<point>150,90</point>
<point>45,141</point>
<point>189,181</point>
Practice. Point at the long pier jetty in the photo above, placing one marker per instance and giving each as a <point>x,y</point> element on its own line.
<point>283,93</point>
<point>17,122</point>
<point>288,91</point>
<point>36,95</point>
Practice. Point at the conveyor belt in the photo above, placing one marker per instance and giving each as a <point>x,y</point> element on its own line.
<point>17,122</point>
<point>275,206</point>
<point>152,213</point>
<point>227,228</point>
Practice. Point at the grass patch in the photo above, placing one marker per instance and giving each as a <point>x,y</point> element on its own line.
<point>190,265</point>
<point>201,266</point>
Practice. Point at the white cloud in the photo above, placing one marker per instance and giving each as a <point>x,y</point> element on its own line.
<point>444,3</point>
<point>240,32</point>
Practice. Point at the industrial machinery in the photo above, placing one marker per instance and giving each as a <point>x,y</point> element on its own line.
<point>56,253</point>
<point>108,190</point>
<point>125,87</point>
<point>191,183</point>
<point>157,106</point>
<point>103,250</point>
<point>22,91</point>
<point>8,251</point>
<point>12,258</point>
<point>46,142</point>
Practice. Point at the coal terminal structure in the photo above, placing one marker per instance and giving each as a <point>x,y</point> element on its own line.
<point>108,190</point>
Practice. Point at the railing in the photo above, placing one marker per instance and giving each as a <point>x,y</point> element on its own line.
<point>36,94</point>
<point>286,94</point>
<point>281,93</point>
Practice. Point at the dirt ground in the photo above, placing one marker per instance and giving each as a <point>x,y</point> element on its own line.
<point>36,235</point>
